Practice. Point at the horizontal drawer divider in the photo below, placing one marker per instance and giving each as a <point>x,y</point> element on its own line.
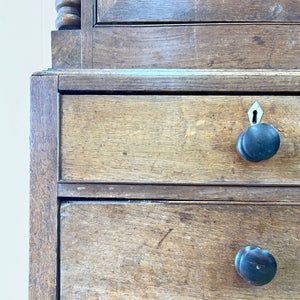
<point>66,201</point>
<point>203,193</point>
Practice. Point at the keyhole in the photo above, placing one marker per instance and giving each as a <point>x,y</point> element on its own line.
<point>254,118</point>
<point>255,113</point>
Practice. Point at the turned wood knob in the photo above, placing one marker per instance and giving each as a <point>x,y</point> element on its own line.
<point>68,14</point>
<point>257,266</point>
<point>259,142</point>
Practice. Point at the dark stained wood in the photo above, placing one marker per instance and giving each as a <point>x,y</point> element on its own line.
<point>199,47</point>
<point>43,189</point>
<point>68,14</point>
<point>66,57</point>
<point>173,139</point>
<point>150,251</point>
<point>179,80</point>
<point>235,194</point>
<point>86,34</point>
<point>122,11</point>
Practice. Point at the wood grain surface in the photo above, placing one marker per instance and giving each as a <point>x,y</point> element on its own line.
<point>43,189</point>
<point>150,251</point>
<point>178,80</point>
<point>199,47</point>
<point>66,57</point>
<point>87,22</point>
<point>173,139</point>
<point>116,11</point>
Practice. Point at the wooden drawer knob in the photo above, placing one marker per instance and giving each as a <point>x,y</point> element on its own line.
<point>258,142</point>
<point>257,266</point>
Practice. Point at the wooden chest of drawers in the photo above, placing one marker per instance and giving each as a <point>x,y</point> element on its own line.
<point>138,190</point>
<point>137,193</point>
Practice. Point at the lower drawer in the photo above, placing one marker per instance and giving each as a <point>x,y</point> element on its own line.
<point>164,251</point>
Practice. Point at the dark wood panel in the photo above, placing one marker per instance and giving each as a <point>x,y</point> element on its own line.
<point>174,139</point>
<point>203,47</point>
<point>179,80</point>
<point>197,11</point>
<point>161,251</point>
<point>87,21</point>
<point>43,189</point>
<point>66,49</point>
<point>234,194</point>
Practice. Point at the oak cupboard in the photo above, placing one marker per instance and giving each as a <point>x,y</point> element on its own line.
<point>138,190</point>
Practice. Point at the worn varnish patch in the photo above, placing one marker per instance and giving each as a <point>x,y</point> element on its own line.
<point>156,251</point>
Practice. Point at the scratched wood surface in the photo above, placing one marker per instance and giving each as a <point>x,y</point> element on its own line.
<point>150,251</point>
<point>204,47</point>
<point>114,11</point>
<point>173,139</point>
<point>43,189</point>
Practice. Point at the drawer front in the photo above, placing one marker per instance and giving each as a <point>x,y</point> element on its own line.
<point>212,46</point>
<point>119,11</point>
<point>173,139</point>
<point>157,251</point>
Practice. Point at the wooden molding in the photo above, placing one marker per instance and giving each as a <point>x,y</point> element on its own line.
<point>179,80</point>
<point>68,14</point>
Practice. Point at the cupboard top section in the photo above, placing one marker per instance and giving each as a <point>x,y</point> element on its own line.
<point>176,34</point>
<point>176,11</point>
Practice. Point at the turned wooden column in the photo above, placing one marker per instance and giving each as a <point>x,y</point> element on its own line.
<point>68,14</point>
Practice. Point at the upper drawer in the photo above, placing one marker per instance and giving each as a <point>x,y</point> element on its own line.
<point>173,139</point>
<point>167,11</point>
